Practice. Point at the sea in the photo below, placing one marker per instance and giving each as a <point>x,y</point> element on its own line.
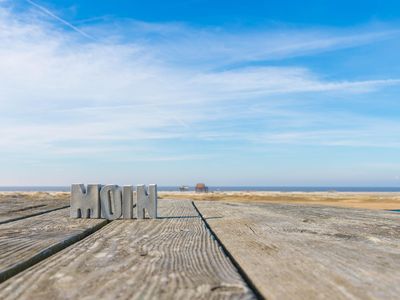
<point>222,189</point>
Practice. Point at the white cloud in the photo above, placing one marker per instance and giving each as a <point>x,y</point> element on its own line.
<point>58,88</point>
<point>218,47</point>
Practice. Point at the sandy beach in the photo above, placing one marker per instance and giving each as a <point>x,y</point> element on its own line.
<point>34,196</point>
<point>387,200</point>
<point>380,201</point>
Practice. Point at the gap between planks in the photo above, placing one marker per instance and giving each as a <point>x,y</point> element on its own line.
<point>308,252</point>
<point>33,214</point>
<point>18,206</point>
<point>32,239</point>
<point>242,273</point>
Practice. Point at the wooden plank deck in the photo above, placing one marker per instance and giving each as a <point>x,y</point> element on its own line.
<point>16,206</point>
<point>28,241</point>
<point>173,257</point>
<point>310,252</point>
<point>272,251</point>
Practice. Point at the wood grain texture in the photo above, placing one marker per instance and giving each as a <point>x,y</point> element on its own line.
<point>310,252</point>
<point>173,257</point>
<point>28,241</point>
<point>16,206</point>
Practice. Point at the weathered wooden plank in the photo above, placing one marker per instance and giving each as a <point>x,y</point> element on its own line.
<point>310,252</point>
<point>28,241</point>
<point>173,257</point>
<point>15,206</point>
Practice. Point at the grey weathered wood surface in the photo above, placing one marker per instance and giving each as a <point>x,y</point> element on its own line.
<point>173,257</point>
<point>25,242</point>
<point>15,207</point>
<point>311,252</point>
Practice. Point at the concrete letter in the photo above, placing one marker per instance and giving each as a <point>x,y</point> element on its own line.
<point>111,202</point>
<point>146,201</point>
<point>127,202</point>
<point>85,203</point>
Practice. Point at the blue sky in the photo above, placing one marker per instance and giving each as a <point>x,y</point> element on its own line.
<point>222,92</point>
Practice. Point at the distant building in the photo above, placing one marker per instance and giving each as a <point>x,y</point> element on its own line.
<point>183,188</point>
<point>201,188</point>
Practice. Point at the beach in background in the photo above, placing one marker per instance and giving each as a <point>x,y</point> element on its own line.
<point>369,200</point>
<point>223,189</point>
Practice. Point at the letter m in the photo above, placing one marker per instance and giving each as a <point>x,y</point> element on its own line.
<point>146,201</point>
<point>85,203</point>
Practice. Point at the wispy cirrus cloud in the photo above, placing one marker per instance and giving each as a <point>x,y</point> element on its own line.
<point>215,47</point>
<point>52,15</point>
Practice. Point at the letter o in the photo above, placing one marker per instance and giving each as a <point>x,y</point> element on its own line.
<point>111,202</point>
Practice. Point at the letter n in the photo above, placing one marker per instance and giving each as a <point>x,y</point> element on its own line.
<point>85,203</point>
<point>146,201</point>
